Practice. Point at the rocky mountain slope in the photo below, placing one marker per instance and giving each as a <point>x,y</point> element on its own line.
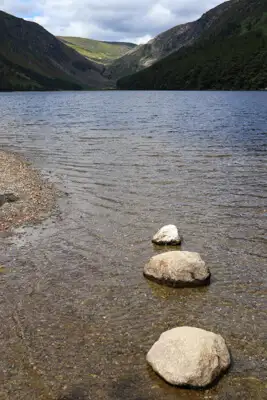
<point>33,59</point>
<point>230,54</point>
<point>95,50</point>
<point>164,44</point>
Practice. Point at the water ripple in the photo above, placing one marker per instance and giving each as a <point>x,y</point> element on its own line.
<point>131,163</point>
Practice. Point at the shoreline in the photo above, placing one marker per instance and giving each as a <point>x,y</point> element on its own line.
<point>34,197</point>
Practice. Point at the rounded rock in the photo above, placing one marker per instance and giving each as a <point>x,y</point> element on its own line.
<point>168,235</point>
<point>178,269</point>
<point>187,356</point>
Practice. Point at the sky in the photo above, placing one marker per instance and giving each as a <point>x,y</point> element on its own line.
<point>115,20</point>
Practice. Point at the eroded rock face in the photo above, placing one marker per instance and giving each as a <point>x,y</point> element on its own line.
<point>187,356</point>
<point>178,269</point>
<point>167,235</point>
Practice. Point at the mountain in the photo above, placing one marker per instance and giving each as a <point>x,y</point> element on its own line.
<point>101,52</point>
<point>164,44</point>
<point>33,59</point>
<point>230,54</point>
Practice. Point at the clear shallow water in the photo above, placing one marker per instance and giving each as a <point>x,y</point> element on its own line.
<point>77,316</point>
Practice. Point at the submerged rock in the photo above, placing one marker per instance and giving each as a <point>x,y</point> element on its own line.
<point>178,269</point>
<point>11,197</point>
<point>7,198</point>
<point>168,235</point>
<point>189,356</point>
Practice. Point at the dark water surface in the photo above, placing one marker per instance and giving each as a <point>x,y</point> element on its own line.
<point>77,316</point>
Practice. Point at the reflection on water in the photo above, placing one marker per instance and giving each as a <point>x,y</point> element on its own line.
<point>77,315</point>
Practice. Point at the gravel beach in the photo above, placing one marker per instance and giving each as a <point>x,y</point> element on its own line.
<point>33,198</point>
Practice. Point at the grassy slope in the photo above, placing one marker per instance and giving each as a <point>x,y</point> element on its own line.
<point>104,52</point>
<point>231,55</point>
<point>33,59</point>
<point>16,77</point>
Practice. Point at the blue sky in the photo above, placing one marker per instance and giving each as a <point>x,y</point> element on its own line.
<point>122,20</point>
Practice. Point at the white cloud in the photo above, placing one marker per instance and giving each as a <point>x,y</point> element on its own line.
<point>137,20</point>
<point>143,39</point>
<point>161,15</point>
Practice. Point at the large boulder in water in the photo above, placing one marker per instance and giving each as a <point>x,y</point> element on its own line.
<point>188,356</point>
<point>168,235</point>
<point>178,269</point>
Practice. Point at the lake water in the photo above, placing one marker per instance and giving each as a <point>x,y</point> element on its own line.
<point>132,162</point>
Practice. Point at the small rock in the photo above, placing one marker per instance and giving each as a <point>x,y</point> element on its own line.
<point>178,269</point>
<point>2,199</point>
<point>7,198</point>
<point>168,235</point>
<point>11,198</point>
<point>189,356</point>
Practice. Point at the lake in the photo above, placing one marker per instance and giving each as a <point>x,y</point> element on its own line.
<point>130,163</point>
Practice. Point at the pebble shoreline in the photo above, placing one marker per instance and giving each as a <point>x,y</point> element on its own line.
<point>37,197</point>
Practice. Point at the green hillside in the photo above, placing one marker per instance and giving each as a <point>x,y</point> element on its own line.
<point>231,55</point>
<point>102,52</point>
<point>33,59</point>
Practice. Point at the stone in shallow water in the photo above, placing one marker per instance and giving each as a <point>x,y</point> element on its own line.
<point>178,269</point>
<point>11,197</point>
<point>168,235</point>
<point>7,198</point>
<point>187,356</point>
<point>2,199</point>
